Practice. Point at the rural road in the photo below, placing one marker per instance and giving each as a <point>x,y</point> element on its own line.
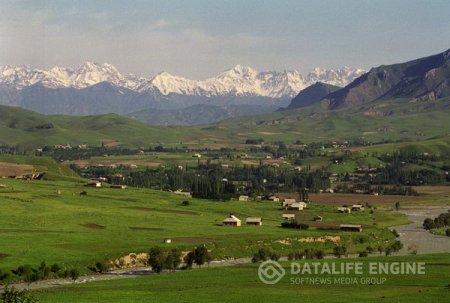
<point>413,234</point>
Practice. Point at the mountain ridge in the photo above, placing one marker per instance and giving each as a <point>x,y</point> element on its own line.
<point>426,78</point>
<point>239,80</point>
<point>311,95</point>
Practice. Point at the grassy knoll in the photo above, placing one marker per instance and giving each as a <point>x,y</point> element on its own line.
<point>241,284</point>
<point>398,119</point>
<point>51,221</point>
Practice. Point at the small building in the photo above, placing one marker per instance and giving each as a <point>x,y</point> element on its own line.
<point>232,221</point>
<point>118,186</point>
<point>254,221</point>
<point>296,206</point>
<point>350,227</point>
<point>100,179</point>
<point>244,198</point>
<point>94,184</point>
<point>329,190</point>
<point>167,241</point>
<point>288,201</point>
<point>288,216</point>
<point>318,218</point>
<point>303,204</point>
<point>344,210</point>
<point>274,199</point>
<point>357,207</point>
<point>183,193</point>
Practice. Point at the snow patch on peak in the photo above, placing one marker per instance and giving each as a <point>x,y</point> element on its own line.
<point>239,81</point>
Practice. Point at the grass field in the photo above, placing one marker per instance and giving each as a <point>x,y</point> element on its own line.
<point>49,220</point>
<point>241,284</point>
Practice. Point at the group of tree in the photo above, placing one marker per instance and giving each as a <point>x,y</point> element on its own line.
<point>308,253</point>
<point>443,220</point>
<point>212,181</point>
<point>160,259</point>
<point>264,254</point>
<point>29,274</point>
<point>294,225</point>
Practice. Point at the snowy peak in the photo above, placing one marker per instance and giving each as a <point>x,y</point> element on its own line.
<point>239,71</point>
<point>237,81</point>
<point>339,77</point>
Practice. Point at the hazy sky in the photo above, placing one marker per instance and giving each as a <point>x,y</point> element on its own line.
<point>199,38</point>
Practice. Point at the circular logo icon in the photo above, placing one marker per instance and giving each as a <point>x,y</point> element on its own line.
<point>270,272</point>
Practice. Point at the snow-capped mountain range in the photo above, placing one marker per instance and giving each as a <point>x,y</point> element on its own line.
<point>237,81</point>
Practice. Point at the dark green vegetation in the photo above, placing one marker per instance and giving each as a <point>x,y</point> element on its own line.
<point>242,284</point>
<point>277,168</point>
<point>11,295</point>
<point>438,225</point>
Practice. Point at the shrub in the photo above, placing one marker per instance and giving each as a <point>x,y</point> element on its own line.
<point>11,295</point>
<point>74,274</point>
<point>100,267</point>
<point>396,246</point>
<point>265,254</point>
<point>340,250</point>
<point>447,232</point>
<point>294,225</point>
<point>3,276</point>
<point>55,268</point>
<point>363,254</point>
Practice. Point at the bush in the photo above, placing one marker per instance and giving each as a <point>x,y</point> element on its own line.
<point>55,268</point>
<point>185,203</point>
<point>100,267</point>
<point>3,276</point>
<point>363,254</point>
<point>340,251</point>
<point>396,246</point>
<point>265,254</point>
<point>447,232</point>
<point>74,274</point>
<point>11,295</point>
<point>294,225</point>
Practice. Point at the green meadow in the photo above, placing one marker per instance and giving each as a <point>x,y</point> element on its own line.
<point>50,221</point>
<point>241,284</point>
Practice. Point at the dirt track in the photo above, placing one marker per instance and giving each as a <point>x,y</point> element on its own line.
<point>414,235</point>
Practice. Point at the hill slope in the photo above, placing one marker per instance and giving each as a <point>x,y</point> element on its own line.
<point>198,114</point>
<point>312,94</point>
<point>28,129</point>
<point>425,78</point>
